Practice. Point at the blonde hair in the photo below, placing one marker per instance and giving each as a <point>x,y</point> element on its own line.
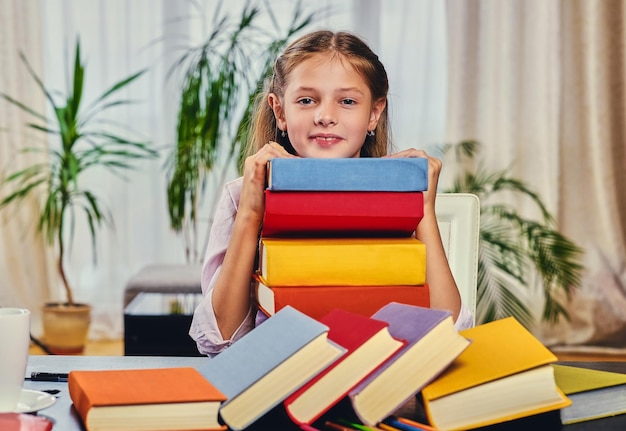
<point>342,45</point>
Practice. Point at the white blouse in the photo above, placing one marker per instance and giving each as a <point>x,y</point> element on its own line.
<point>204,329</point>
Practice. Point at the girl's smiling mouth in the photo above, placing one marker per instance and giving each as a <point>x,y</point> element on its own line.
<point>325,139</point>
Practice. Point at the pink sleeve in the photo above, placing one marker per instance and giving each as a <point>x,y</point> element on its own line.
<point>464,321</point>
<point>204,329</point>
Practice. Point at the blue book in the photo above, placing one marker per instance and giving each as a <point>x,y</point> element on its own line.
<point>269,363</point>
<point>349,174</point>
<point>432,344</point>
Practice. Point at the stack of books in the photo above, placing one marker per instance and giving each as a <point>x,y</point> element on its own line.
<point>339,233</point>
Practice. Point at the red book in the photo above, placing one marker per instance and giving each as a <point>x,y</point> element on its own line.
<point>368,343</point>
<point>341,213</point>
<point>317,301</point>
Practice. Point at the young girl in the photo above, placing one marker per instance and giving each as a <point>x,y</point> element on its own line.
<point>327,98</point>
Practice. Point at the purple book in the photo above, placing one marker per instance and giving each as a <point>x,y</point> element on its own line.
<point>432,344</point>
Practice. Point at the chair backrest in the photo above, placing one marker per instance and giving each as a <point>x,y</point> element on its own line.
<point>458,216</point>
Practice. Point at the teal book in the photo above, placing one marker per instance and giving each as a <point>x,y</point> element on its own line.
<point>269,363</point>
<point>348,174</point>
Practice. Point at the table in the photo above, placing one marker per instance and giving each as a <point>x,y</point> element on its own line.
<point>66,419</point>
<point>62,412</point>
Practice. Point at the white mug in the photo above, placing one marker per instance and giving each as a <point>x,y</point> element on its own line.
<point>14,344</point>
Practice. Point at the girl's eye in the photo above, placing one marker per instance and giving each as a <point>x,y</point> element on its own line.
<point>305,101</point>
<point>348,101</point>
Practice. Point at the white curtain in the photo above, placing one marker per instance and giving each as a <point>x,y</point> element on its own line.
<point>541,85</point>
<point>26,265</point>
<point>503,91</point>
<point>119,38</point>
<point>412,44</point>
<point>592,150</point>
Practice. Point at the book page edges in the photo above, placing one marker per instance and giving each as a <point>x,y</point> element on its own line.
<point>437,407</point>
<point>276,385</point>
<point>315,400</point>
<point>370,400</point>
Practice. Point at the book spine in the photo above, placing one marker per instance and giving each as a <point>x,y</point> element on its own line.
<point>81,401</point>
<point>349,262</point>
<point>355,174</point>
<point>342,213</point>
<point>316,301</point>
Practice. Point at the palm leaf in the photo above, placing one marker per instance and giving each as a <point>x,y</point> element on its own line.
<point>513,250</point>
<point>219,80</point>
<point>81,147</point>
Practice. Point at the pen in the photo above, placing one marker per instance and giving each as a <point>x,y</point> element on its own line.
<point>36,376</point>
<point>402,426</point>
<point>358,426</point>
<point>416,424</point>
<point>337,427</point>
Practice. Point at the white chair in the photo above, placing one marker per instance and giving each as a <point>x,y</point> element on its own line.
<point>458,216</point>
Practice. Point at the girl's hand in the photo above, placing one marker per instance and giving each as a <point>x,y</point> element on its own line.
<point>252,200</point>
<point>231,290</point>
<point>434,169</point>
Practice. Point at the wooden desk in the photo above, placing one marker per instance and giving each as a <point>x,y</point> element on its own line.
<point>66,418</point>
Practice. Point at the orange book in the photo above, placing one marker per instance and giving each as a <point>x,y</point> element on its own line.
<point>317,301</point>
<point>145,399</point>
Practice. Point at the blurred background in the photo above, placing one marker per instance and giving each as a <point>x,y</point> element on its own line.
<point>537,87</point>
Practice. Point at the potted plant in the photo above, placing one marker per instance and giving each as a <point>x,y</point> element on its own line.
<point>81,144</point>
<point>515,252</point>
<point>220,80</point>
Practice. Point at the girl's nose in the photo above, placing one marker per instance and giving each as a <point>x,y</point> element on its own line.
<point>325,116</point>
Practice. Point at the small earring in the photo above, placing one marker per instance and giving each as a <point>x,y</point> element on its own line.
<point>370,133</point>
<point>283,133</point>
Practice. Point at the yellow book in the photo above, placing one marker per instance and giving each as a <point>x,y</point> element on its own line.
<point>595,394</point>
<point>342,261</point>
<point>505,373</point>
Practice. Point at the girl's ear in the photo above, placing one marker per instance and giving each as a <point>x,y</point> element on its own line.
<point>377,109</point>
<point>277,107</point>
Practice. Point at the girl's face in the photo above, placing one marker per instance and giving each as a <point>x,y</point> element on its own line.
<point>327,109</point>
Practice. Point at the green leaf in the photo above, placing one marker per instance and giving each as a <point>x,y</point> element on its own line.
<point>219,80</point>
<point>515,250</point>
<point>84,143</point>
